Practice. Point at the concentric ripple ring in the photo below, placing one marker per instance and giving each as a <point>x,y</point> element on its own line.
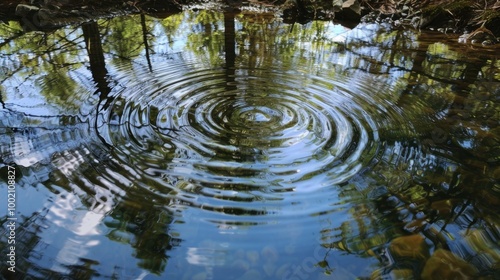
<point>259,131</point>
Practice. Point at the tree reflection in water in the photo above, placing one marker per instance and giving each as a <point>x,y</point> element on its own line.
<point>214,145</point>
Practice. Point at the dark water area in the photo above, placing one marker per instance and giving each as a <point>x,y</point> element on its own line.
<point>218,146</point>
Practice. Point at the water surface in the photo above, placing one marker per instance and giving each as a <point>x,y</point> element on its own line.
<point>217,146</point>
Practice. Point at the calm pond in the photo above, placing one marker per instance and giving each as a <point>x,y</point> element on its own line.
<point>206,145</point>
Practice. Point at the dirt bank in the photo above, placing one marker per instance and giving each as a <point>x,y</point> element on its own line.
<point>480,20</point>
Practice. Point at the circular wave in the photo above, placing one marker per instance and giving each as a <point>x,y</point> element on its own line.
<point>249,136</point>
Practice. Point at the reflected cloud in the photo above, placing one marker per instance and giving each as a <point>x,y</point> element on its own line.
<point>225,146</point>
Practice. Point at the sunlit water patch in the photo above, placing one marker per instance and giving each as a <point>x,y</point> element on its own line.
<point>286,155</point>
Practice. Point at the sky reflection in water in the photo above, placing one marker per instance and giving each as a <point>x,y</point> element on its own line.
<point>279,153</point>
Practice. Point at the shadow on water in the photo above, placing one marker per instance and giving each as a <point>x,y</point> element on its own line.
<point>212,145</point>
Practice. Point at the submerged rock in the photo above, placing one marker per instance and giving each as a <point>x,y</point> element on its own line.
<point>412,246</point>
<point>402,273</point>
<point>445,265</point>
